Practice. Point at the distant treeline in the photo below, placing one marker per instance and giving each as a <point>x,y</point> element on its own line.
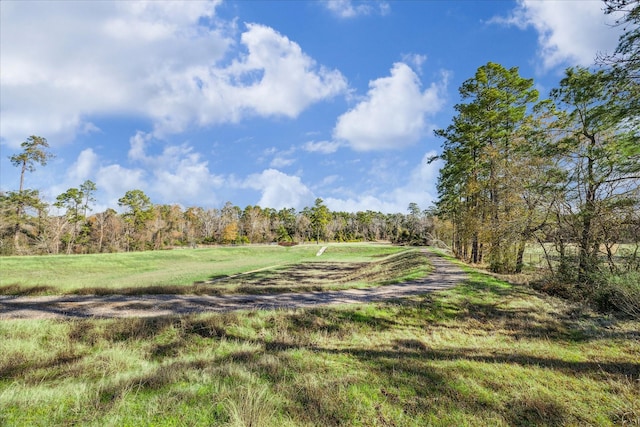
<point>26,227</point>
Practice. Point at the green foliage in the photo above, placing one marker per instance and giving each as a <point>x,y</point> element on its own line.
<point>138,206</point>
<point>139,212</point>
<point>319,215</point>
<point>480,149</point>
<point>485,353</point>
<point>23,213</point>
<point>601,158</point>
<point>625,61</point>
<point>34,150</point>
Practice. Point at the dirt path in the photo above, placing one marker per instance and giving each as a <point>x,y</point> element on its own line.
<point>445,275</point>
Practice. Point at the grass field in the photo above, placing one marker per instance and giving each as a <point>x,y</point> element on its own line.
<point>180,271</point>
<point>483,353</point>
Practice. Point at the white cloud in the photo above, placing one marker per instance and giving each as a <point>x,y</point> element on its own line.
<point>415,59</point>
<point>569,33</point>
<point>282,80</point>
<point>115,181</point>
<point>137,144</point>
<point>393,114</point>
<point>84,167</point>
<point>179,173</point>
<point>176,174</point>
<point>62,62</point>
<point>419,188</point>
<point>281,158</point>
<point>66,62</point>
<point>188,182</point>
<point>324,147</point>
<point>280,162</point>
<point>280,190</point>
<point>328,180</point>
<point>350,8</point>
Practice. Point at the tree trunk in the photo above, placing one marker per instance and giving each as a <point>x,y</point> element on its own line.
<point>520,257</point>
<point>585,264</point>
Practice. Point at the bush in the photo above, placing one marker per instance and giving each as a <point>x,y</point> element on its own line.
<point>620,293</point>
<point>605,292</point>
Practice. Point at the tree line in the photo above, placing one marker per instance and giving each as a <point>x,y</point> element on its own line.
<point>28,227</point>
<point>563,171</point>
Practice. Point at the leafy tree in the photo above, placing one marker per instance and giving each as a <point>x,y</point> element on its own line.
<point>22,213</point>
<point>320,217</point>
<point>88,189</point>
<point>479,150</point>
<point>625,61</point>
<point>255,223</point>
<point>139,211</point>
<point>107,231</point>
<point>194,225</point>
<point>286,227</point>
<point>600,153</point>
<point>230,232</point>
<point>71,200</point>
<point>34,151</point>
<point>229,223</point>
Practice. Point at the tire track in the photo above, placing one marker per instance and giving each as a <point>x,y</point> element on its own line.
<point>445,275</point>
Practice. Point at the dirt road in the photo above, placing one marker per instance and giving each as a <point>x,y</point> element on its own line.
<point>445,275</point>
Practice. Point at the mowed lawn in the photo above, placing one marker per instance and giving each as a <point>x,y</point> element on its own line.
<point>483,353</point>
<point>173,271</point>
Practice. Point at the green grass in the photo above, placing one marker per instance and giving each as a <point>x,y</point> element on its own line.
<point>173,271</point>
<point>483,353</point>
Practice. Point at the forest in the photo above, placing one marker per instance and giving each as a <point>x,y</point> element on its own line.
<point>27,228</point>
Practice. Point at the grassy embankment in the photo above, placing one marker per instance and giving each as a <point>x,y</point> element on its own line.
<point>243,269</point>
<point>483,353</point>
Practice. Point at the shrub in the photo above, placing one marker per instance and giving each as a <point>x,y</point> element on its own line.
<point>606,292</point>
<point>620,293</point>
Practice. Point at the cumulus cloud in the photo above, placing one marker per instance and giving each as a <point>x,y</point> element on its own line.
<point>179,174</point>
<point>393,114</point>
<point>280,78</point>
<point>351,9</point>
<point>280,190</point>
<point>84,167</point>
<point>568,33</point>
<point>115,180</point>
<point>65,63</point>
<point>419,188</point>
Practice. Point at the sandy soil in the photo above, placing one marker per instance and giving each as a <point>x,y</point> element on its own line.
<point>445,275</point>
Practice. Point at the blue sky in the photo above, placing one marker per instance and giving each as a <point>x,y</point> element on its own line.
<point>273,103</point>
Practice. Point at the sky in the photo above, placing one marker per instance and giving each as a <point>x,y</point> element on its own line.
<point>269,103</point>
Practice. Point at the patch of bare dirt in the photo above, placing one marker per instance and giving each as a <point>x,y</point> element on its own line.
<point>445,275</point>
